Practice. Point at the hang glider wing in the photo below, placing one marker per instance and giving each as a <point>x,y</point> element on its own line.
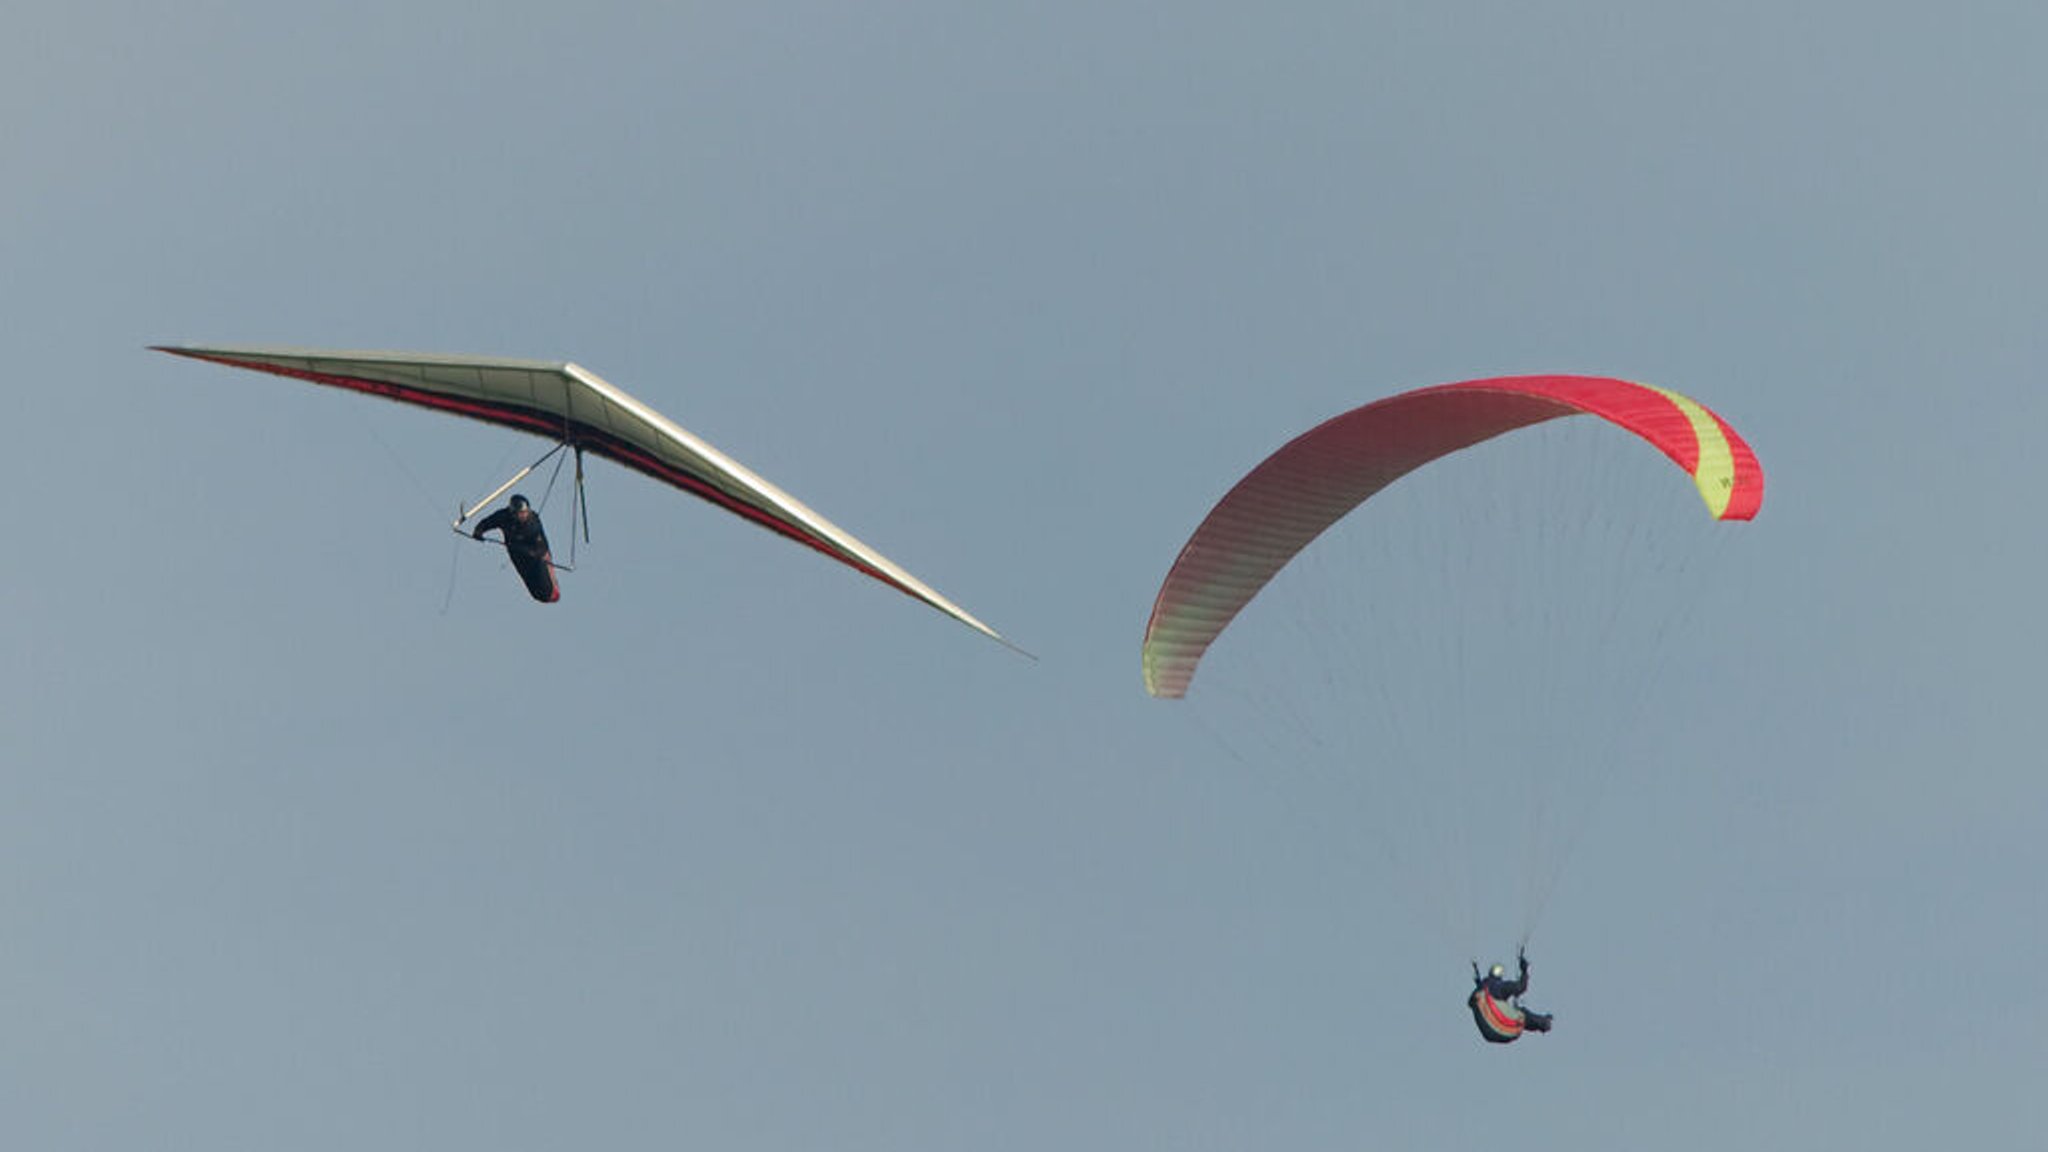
<point>562,401</point>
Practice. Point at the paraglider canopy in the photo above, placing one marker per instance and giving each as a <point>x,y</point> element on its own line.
<point>1319,477</point>
<point>1461,667</point>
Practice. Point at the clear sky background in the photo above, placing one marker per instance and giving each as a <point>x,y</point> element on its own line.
<point>306,843</point>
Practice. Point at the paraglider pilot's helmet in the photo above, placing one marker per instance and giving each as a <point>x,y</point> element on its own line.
<point>1498,972</point>
<point>518,502</point>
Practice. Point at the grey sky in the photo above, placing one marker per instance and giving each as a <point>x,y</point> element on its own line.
<point>735,850</point>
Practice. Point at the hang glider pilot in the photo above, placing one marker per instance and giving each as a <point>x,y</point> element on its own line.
<point>527,545</point>
<point>1496,1004</point>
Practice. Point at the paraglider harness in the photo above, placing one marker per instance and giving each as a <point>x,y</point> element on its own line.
<point>1493,1001</point>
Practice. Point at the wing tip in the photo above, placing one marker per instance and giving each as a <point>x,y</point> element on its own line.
<point>1013,646</point>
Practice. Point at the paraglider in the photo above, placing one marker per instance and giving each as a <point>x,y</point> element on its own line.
<point>1496,1004</point>
<point>1540,700</point>
<point>579,411</point>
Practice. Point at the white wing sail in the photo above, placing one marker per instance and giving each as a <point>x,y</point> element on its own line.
<point>562,401</point>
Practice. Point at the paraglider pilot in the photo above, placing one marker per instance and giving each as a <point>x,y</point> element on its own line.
<point>1496,1007</point>
<point>527,545</point>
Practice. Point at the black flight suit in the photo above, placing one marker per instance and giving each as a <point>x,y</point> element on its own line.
<point>527,544</point>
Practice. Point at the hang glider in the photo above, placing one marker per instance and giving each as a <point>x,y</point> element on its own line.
<point>571,405</point>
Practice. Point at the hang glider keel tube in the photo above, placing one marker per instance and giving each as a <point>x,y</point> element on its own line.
<point>574,407</point>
